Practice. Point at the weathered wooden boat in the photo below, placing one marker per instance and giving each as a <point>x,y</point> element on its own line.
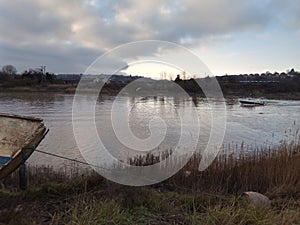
<point>251,102</point>
<point>19,137</point>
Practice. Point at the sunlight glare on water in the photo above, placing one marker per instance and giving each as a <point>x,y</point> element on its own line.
<point>258,126</point>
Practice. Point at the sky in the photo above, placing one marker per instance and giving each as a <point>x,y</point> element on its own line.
<point>229,36</point>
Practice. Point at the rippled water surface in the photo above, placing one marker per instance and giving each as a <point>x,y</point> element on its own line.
<point>251,127</point>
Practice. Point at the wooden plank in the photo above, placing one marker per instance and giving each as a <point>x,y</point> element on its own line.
<point>22,149</point>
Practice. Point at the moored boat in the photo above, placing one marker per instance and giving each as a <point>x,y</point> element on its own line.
<point>251,102</point>
<point>19,137</point>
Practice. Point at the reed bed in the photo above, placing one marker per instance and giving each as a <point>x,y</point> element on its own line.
<point>258,170</point>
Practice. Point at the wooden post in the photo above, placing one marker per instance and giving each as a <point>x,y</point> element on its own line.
<point>23,176</point>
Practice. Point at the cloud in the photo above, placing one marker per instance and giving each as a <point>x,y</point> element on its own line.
<point>167,20</point>
<point>68,35</point>
<point>288,12</point>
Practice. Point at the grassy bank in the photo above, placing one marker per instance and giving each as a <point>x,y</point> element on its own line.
<point>285,91</point>
<point>47,88</point>
<point>210,197</point>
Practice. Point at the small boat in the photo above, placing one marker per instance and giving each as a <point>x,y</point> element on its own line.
<point>251,102</point>
<point>19,137</point>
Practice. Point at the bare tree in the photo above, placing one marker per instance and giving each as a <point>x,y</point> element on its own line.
<point>9,70</point>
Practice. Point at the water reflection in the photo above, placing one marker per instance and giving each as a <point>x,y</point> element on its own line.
<point>250,127</point>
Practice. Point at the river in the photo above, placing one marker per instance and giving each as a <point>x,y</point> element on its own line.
<point>255,127</point>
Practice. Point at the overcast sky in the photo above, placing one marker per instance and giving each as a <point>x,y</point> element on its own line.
<point>229,36</point>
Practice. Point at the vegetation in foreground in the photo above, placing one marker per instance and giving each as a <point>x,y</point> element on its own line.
<point>210,197</point>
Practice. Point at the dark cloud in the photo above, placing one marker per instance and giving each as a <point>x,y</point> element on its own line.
<point>58,58</point>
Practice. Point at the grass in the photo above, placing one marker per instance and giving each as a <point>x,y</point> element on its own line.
<point>210,197</point>
<point>149,206</point>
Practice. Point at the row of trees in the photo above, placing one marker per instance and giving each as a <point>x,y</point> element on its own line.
<point>9,76</point>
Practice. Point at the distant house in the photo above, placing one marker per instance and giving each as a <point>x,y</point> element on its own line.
<point>283,76</point>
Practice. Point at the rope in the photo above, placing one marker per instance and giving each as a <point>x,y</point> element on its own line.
<point>70,159</point>
<point>60,156</point>
<point>78,161</point>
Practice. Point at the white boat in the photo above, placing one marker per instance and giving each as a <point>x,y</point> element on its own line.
<point>252,102</point>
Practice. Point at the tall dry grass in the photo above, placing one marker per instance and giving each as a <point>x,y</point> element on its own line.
<point>262,170</point>
<point>257,170</point>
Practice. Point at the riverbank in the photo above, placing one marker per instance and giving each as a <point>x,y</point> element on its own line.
<point>189,197</point>
<point>229,90</point>
<point>49,88</point>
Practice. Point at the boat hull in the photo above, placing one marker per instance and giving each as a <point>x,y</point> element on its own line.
<point>19,136</point>
<point>251,103</point>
